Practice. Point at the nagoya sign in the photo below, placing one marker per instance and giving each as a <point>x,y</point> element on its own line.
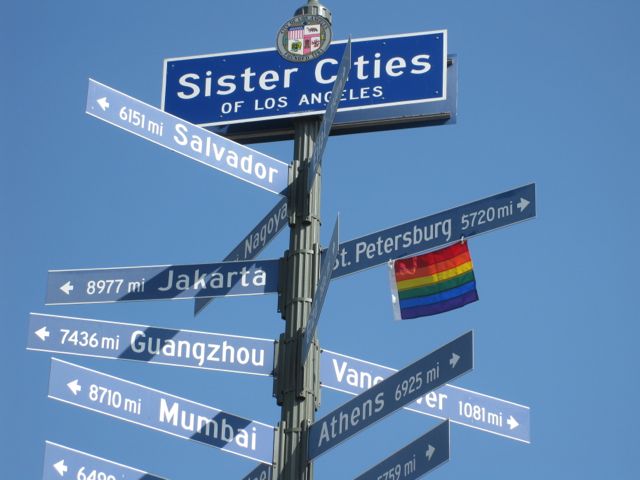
<point>252,85</point>
<point>159,411</point>
<point>254,242</point>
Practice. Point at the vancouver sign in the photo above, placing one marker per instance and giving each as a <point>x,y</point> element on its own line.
<point>391,394</point>
<point>65,462</point>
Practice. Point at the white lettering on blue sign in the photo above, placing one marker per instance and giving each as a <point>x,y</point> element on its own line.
<point>143,343</point>
<point>365,68</point>
<point>223,89</point>
<point>436,230</point>
<point>465,407</point>
<point>404,386</point>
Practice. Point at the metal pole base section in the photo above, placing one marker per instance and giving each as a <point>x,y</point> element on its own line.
<point>296,386</point>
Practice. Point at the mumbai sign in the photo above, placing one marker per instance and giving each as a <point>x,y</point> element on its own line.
<point>160,411</point>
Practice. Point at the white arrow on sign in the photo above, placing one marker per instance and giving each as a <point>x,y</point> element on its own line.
<point>453,361</point>
<point>512,422</point>
<point>522,204</point>
<point>104,104</point>
<point>74,387</point>
<point>67,287</point>
<point>43,333</point>
<point>430,451</point>
<point>60,467</point>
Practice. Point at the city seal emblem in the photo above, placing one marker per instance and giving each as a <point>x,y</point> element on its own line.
<point>304,38</point>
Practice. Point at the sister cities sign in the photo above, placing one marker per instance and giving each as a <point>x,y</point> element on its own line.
<point>252,85</point>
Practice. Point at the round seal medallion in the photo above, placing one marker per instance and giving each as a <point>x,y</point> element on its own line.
<point>304,38</point>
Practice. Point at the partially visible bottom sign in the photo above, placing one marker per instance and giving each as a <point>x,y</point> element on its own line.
<point>65,462</point>
<point>261,472</point>
<point>414,460</point>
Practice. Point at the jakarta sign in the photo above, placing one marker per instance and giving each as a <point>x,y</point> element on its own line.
<point>258,85</point>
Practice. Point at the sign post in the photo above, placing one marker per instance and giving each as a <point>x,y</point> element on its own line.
<point>296,385</point>
<point>464,407</point>
<point>416,459</point>
<point>253,96</point>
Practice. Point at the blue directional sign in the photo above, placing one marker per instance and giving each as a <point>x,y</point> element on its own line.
<point>62,462</point>
<point>413,381</point>
<point>461,406</point>
<point>143,343</point>
<point>329,115</point>
<point>414,460</point>
<point>261,472</point>
<point>162,282</point>
<point>238,87</point>
<point>185,138</point>
<point>321,290</point>
<point>257,239</point>
<point>437,230</point>
<point>159,411</point>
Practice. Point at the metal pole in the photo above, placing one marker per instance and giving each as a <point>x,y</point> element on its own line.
<point>297,385</point>
<point>297,382</point>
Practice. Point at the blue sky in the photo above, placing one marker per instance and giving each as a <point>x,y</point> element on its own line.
<point>547,94</point>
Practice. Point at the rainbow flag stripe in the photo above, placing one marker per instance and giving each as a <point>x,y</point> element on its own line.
<point>433,283</point>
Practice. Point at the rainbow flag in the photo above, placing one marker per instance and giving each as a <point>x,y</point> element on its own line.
<point>433,283</point>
